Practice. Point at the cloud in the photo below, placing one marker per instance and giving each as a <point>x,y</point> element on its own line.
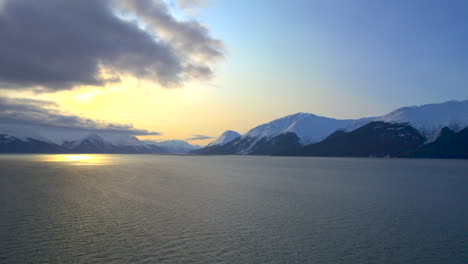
<point>53,45</point>
<point>198,137</point>
<point>188,4</point>
<point>190,40</point>
<point>47,114</point>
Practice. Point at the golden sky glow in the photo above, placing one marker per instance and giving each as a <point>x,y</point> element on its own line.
<point>177,113</point>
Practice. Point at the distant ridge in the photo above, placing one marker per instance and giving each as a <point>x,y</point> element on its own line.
<point>16,138</point>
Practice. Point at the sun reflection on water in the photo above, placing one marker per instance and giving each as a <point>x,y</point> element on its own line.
<point>77,159</point>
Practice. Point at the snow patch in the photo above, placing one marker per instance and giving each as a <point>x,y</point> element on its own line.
<point>225,138</point>
<point>431,118</point>
<point>173,146</point>
<point>309,128</point>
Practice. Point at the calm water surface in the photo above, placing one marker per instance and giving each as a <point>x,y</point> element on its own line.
<point>182,209</point>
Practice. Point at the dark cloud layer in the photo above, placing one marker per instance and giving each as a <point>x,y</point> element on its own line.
<point>46,113</point>
<point>59,44</point>
<point>198,137</point>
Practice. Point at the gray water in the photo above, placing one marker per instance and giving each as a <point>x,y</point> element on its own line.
<point>184,209</point>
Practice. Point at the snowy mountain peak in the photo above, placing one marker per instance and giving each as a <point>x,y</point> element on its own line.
<point>122,140</point>
<point>225,138</point>
<point>309,128</point>
<point>174,146</point>
<point>429,119</point>
<point>92,138</point>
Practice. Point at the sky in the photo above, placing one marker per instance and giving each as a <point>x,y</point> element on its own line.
<point>191,69</point>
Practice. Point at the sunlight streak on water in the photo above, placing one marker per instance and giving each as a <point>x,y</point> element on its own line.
<point>77,159</point>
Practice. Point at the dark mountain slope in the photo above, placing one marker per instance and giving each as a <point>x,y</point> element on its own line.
<point>376,139</point>
<point>449,145</point>
<point>277,145</point>
<point>9,144</point>
<point>230,148</point>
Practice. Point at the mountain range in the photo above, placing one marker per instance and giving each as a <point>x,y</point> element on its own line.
<point>427,131</point>
<point>20,138</point>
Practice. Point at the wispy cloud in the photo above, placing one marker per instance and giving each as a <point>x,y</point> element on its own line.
<point>47,114</point>
<point>198,137</point>
<point>190,40</point>
<point>52,45</point>
<point>188,4</point>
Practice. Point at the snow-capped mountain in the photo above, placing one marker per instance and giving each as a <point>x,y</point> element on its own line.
<point>60,136</point>
<point>225,138</point>
<point>111,143</point>
<point>38,139</point>
<point>92,143</point>
<point>291,133</point>
<point>22,132</point>
<point>174,146</point>
<point>308,128</point>
<point>431,118</point>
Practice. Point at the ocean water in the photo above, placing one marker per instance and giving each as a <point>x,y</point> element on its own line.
<point>231,209</point>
